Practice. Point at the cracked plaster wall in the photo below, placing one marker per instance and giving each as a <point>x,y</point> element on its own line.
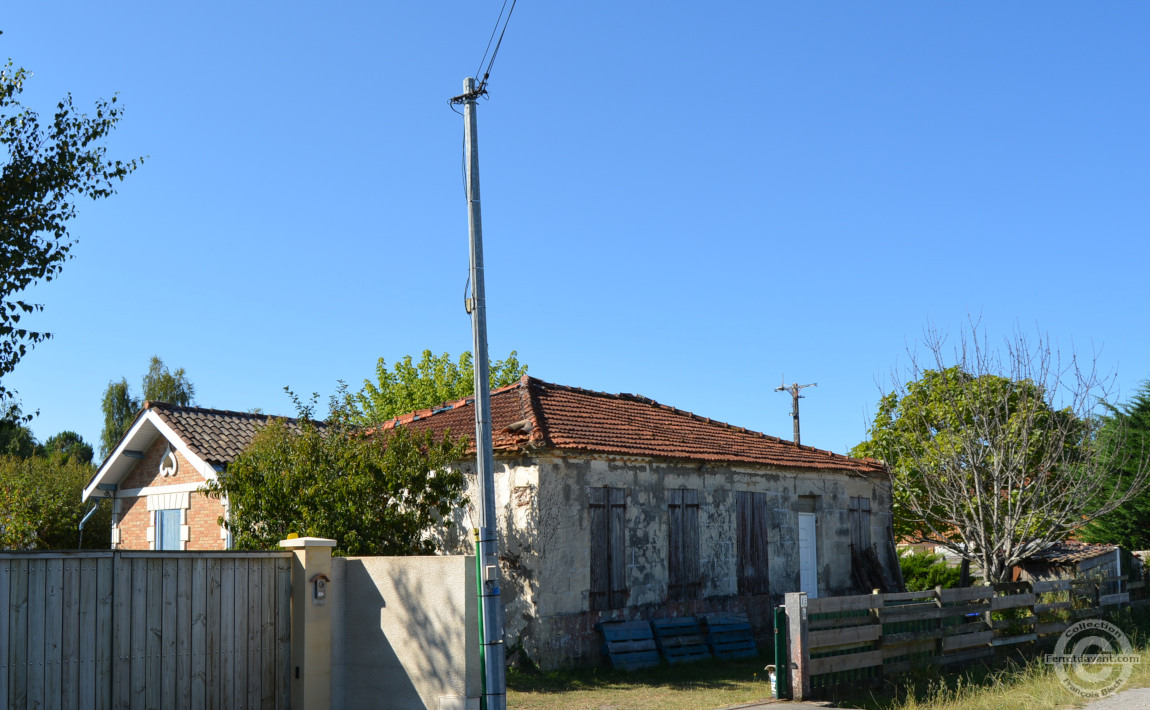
<point>542,507</point>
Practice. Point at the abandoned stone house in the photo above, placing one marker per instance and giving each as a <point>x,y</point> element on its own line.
<point>611,506</point>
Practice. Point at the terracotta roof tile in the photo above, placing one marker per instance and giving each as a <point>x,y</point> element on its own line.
<point>536,414</point>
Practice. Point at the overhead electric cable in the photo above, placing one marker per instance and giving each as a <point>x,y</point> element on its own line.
<point>494,54</point>
<point>492,38</point>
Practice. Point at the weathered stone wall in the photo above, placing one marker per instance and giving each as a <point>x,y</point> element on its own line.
<point>544,520</point>
<point>517,513</point>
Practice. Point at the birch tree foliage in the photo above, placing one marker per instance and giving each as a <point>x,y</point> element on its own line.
<point>46,166</point>
<point>995,452</point>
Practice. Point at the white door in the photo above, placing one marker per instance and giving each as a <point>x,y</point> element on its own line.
<point>808,557</point>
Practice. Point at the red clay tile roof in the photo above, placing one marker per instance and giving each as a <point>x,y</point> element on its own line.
<point>533,414</point>
<point>215,435</point>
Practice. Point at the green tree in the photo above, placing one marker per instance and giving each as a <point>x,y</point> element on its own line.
<point>41,506</point>
<point>984,462</point>
<point>162,385</point>
<point>119,407</point>
<point>374,492</point>
<point>70,445</point>
<point>15,437</point>
<point>47,167</point>
<point>433,380</point>
<point>1125,436</point>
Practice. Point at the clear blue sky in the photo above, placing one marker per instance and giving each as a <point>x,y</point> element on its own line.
<point>681,200</point>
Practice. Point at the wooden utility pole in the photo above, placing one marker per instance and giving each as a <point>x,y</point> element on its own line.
<point>795,396</point>
<point>491,606</point>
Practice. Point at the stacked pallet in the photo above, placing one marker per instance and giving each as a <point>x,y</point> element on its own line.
<point>730,636</point>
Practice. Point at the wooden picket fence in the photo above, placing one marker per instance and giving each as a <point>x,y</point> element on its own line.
<point>125,630</point>
<point>860,640</point>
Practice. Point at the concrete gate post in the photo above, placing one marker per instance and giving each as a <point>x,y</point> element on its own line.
<point>800,652</point>
<point>310,622</point>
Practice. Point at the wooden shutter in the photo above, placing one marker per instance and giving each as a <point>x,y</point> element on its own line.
<point>598,529</point>
<point>617,547</point>
<point>761,582</point>
<point>683,545</point>
<point>751,514</point>
<point>858,514</point>
<point>691,579</point>
<point>675,577</point>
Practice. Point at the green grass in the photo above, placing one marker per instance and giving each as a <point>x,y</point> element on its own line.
<point>1020,684</point>
<point>707,684</point>
<point>1013,685</point>
<point>1029,686</point>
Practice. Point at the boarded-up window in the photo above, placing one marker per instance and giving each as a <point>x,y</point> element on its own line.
<point>859,517</point>
<point>751,534</point>
<point>608,548</point>
<point>683,548</point>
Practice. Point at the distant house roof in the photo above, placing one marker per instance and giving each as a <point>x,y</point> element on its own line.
<point>533,414</point>
<point>209,439</point>
<point>215,435</point>
<point>1071,552</point>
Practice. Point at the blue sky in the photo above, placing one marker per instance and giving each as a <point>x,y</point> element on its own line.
<point>682,200</point>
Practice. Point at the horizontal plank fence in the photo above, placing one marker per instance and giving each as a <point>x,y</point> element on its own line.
<point>860,640</point>
<point>127,630</point>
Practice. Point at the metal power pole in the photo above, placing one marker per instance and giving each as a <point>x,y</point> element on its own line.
<point>795,396</point>
<point>491,607</point>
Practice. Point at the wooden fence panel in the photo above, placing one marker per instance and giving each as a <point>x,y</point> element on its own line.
<point>851,639</point>
<point>87,648</point>
<point>283,632</point>
<point>122,634</point>
<point>139,635</point>
<point>18,638</point>
<point>53,633</point>
<point>155,630</point>
<point>215,666</point>
<point>105,603</point>
<point>111,630</point>
<point>169,581</point>
<point>198,667</point>
<point>240,637</point>
<point>252,639</point>
<point>267,640</point>
<point>183,634</point>
<point>5,657</point>
<point>37,587</point>
<point>227,633</point>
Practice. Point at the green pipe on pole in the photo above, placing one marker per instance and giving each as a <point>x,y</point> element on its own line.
<point>479,616</point>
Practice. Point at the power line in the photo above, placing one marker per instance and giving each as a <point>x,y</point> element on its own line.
<point>492,37</point>
<point>498,44</point>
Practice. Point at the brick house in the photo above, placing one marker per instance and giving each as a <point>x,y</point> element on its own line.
<point>156,469</point>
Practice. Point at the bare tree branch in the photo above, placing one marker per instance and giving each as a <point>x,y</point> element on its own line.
<point>996,451</point>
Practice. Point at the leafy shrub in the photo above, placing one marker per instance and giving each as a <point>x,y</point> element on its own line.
<point>927,570</point>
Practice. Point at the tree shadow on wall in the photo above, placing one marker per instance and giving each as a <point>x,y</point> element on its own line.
<point>403,634</point>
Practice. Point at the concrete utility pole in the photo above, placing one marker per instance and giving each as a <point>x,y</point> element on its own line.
<point>495,685</point>
<point>794,390</point>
